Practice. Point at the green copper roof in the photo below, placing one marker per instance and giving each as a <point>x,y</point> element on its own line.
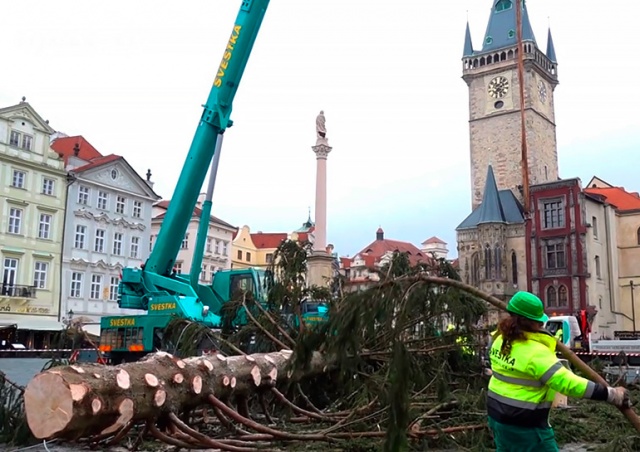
<point>468,45</point>
<point>501,29</point>
<point>551,51</point>
<point>491,208</point>
<point>498,206</point>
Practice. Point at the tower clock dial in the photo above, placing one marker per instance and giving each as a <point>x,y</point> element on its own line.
<point>542,91</point>
<point>498,87</point>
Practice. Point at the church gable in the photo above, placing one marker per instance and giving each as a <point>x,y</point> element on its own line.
<point>25,112</point>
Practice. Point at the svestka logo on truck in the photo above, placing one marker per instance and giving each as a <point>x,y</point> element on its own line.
<point>162,307</point>
<point>226,57</point>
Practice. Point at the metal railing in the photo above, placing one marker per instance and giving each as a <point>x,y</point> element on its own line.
<point>17,291</point>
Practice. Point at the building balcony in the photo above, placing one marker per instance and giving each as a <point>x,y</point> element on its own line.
<point>17,291</point>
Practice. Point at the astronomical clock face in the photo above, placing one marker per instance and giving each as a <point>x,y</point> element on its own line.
<point>542,91</point>
<point>498,87</point>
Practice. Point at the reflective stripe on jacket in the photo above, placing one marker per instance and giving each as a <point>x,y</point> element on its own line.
<point>524,383</point>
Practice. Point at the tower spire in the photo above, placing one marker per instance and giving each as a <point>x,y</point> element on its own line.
<point>501,29</point>
<point>468,45</point>
<point>551,51</point>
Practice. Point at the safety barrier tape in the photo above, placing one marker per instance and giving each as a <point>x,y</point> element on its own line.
<point>41,350</point>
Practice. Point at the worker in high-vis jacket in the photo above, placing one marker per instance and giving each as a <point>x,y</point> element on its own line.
<point>526,375</point>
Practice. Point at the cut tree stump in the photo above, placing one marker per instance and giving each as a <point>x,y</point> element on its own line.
<point>74,402</point>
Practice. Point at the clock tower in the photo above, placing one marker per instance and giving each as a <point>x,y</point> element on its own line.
<point>494,104</point>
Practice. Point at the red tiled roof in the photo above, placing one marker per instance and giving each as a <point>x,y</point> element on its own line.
<point>618,197</point>
<point>433,239</point>
<point>98,161</point>
<point>379,248</point>
<point>345,262</point>
<point>65,147</point>
<point>197,213</point>
<point>269,240</point>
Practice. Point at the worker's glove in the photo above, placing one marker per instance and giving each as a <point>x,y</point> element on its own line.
<point>619,397</point>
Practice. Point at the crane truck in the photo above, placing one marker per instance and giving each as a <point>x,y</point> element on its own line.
<point>155,287</point>
<point>620,356</point>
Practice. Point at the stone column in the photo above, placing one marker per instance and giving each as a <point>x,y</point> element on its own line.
<point>322,151</point>
<point>320,262</point>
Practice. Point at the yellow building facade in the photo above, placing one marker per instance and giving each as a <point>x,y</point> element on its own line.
<point>33,189</point>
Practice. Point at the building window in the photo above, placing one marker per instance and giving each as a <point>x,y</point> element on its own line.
<point>103,200</point>
<point>212,269</point>
<point>638,234</point>
<point>81,232</point>
<point>150,243</point>
<point>40,275</point>
<point>552,297</point>
<point>9,274</point>
<point>44,229</point>
<point>598,274</point>
<point>248,256</point>
<point>594,225</point>
<point>15,221</point>
<point>135,245</point>
<point>76,285</point>
<point>185,242</point>
<point>117,243</point>
<point>120,204</point>
<point>19,178</point>
<point>239,255</point>
<point>48,185</point>
<point>514,268</point>
<point>113,288</point>
<point>218,242</point>
<point>137,209</point>
<point>14,140</point>
<point>98,245</point>
<point>83,195</point>
<point>555,256</point>
<point>26,142</point>
<point>96,287</point>
<point>177,267</point>
<point>203,273</point>
<point>225,246</point>
<point>269,258</point>
<point>553,215</point>
<point>209,241</point>
<point>563,299</point>
<point>487,262</point>
<point>497,258</point>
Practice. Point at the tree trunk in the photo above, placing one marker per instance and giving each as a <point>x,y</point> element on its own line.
<point>72,402</point>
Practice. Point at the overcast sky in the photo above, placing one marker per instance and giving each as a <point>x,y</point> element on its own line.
<point>131,78</point>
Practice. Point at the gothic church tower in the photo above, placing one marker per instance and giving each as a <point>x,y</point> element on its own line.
<point>491,240</point>
<point>494,103</point>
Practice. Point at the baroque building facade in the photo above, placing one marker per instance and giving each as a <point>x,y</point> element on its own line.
<point>107,228</point>
<point>32,205</point>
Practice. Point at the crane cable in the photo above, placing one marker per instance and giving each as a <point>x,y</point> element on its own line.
<point>523,128</point>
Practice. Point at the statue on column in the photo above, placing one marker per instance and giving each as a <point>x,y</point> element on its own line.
<point>321,129</point>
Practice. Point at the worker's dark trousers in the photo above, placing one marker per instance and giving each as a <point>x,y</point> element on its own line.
<point>511,438</point>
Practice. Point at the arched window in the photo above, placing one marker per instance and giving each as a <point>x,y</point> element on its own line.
<point>514,268</point>
<point>487,262</point>
<point>563,299</point>
<point>497,258</point>
<point>552,297</point>
<point>466,271</point>
<point>475,269</point>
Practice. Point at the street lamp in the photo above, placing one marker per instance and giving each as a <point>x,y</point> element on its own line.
<point>633,308</point>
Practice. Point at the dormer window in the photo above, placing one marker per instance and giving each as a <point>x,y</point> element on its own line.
<point>503,5</point>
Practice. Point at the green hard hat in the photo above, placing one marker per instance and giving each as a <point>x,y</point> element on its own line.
<point>527,305</point>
